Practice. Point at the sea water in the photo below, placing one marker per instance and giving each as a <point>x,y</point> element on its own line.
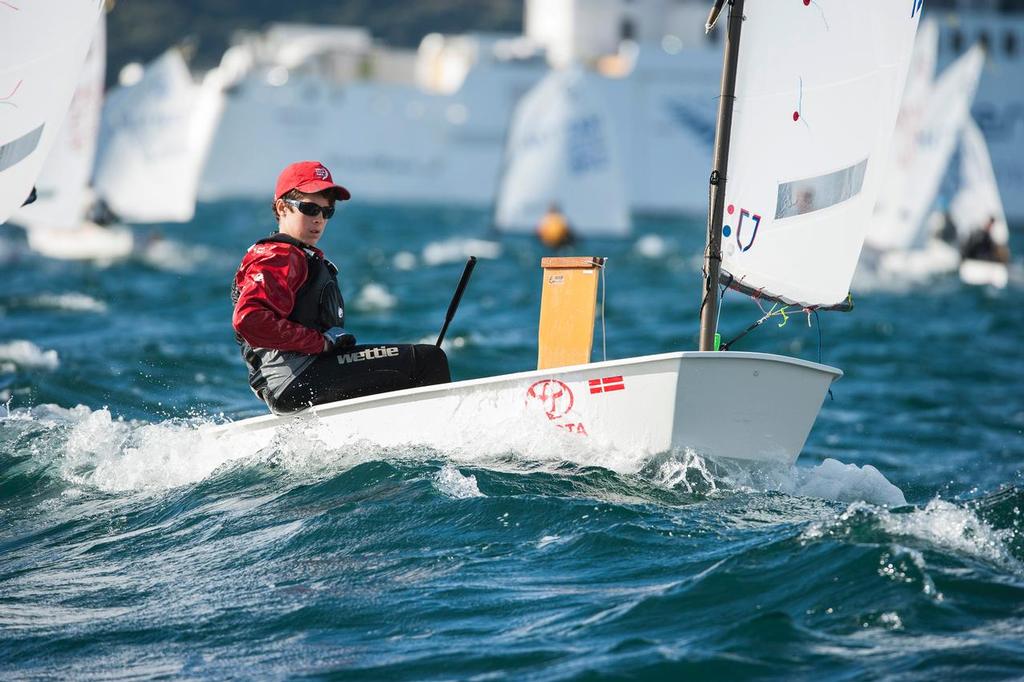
<point>134,545</point>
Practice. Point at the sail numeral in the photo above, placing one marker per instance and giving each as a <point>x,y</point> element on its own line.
<point>915,7</point>
<point>744,213</point>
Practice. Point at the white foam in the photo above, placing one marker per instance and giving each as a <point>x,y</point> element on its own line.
<point>833,480</point>
<point>449,345</point>
<point>69,301</point>
<point>117,455</point>
<point>651,246</point>
<point>691,474</point>
<point>459,249</point>
<point>375,296</point>
<point>890,620</point>
<point>947,525</point>
<point>450,481</point>
<point>28,355</point>
<point>174,256</point>
<point>940,524</point>
<point>830,480</point>
<point>404,260</point>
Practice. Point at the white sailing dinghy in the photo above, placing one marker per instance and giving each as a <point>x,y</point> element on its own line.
<point>976,200</point>
<point>561,150</point>
<point>57,223</point>
<point>812,121</point>
<point>43,44</point>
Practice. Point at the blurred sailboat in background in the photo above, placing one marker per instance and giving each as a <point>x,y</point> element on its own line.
<point>69,220</point>
<point>154,138</point>
<point>976,202</point>
<point>561,150</point>
<point>43,46</point>
<point>901,241</point>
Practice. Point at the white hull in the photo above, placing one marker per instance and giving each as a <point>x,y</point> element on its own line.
<point>934,259</point>
<point>744,406</point>
<point>984,273</point>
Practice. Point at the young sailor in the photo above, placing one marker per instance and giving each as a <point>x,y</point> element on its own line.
<point>553,230</point>
<point>289,315</point>
<point>981,245</point>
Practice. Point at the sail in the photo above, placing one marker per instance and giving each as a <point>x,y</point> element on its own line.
<point>903,150</point>
<point>560,149</point>
<point>153,142</point>
<point>42,49</point>
<point>977,195</point>
<point>62,187</point>
<point>910,188</point>
<point>811,125</point>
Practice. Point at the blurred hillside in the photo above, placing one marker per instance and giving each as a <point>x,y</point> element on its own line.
<point>139,30</point>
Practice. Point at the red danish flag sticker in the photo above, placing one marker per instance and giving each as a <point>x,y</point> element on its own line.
<point>607,384</point>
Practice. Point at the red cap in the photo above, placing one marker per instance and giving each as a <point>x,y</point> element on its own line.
<point>309,177</point>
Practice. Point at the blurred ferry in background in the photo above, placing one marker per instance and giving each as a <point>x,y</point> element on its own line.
<point>430,125</point>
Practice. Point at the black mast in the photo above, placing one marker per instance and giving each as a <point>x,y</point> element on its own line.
<point>723,133</point>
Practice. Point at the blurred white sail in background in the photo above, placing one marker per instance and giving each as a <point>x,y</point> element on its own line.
<point>154,138</point>
<point>977,194</point>
<point>811,127</point>
<point>912,184</point>
<point>59,223</point>
<point>62,186</point>
<point>904,149</point>
<point>664,117</point>
<point>561,150</point>
<point>43,44</point>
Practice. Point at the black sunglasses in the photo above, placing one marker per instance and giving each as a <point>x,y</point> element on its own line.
<point>311,209</point>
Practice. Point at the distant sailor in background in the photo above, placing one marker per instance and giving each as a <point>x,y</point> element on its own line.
<point>554,230</point>
<point>981,245</point>
<point>99,212</point>
<point>289,316</point>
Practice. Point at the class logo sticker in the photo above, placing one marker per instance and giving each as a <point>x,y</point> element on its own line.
<point>557,400</point>
<point>555,396</point>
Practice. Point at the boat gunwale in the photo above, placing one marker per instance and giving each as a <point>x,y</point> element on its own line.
<point>329,409</point>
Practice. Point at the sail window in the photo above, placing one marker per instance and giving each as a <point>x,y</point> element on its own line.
<point>16,150</point>
<point>807,195</point>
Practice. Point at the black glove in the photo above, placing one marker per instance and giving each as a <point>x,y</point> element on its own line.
<point>337,338</point>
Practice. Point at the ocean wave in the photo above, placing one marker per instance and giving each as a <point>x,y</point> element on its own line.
<point>459,249</point>
<point>450,481</point>
<point>73,301</point>
<point>940,525</point>
<point>374,297</point>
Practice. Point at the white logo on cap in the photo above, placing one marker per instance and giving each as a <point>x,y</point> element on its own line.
<point>321,172</point>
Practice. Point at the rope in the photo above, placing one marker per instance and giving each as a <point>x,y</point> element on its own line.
<point>768,314</point>
<point>604,288</point>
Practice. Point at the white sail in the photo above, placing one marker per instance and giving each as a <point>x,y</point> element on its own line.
<point>561,149</point>
<point>817,93</point>
<point>62,187</point>
<point>905,145</point>
<point>42,49</point>
<point>977,196</point>
<point>911,186</point>
<point>153,142</point>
